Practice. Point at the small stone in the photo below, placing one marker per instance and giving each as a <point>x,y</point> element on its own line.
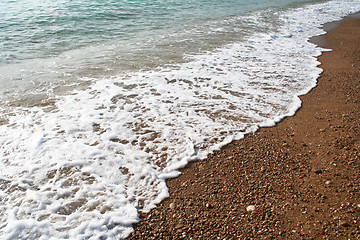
<point>172,206</point>
<point>344,224</point>
<point>179,226</point>
<point>250,208</point>
<point>328,182</point>
<point>317,171</point>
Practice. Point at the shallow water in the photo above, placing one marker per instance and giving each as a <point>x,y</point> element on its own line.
<point>101,102</point>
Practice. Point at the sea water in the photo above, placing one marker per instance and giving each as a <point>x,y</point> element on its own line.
<point>102,101</point>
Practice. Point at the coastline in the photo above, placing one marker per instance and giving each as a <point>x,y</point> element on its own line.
<point>300,177</point>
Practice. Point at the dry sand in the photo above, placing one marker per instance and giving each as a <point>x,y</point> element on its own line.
<point>297,180</point>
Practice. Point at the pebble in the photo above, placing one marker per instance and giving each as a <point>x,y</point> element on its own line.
<point>317,171</point>
<point>344,224</point>
<point>179,226</point>
<point>172,206</point>
<point>328,182</point>
<point>250,208</point>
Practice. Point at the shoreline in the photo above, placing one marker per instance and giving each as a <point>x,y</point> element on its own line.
<point>296,180</point>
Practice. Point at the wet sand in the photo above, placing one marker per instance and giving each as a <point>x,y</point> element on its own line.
<point>297,180</point>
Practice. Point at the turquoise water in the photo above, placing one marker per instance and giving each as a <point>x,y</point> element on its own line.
<point>40,29</point>
<point>56,45</point>
<point>102,101</point>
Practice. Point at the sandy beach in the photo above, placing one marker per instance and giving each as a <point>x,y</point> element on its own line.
<point>297,180</point>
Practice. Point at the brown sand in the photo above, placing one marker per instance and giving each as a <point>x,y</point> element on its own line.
<point>302,176</point>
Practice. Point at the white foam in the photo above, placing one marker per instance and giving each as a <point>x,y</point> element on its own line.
<point>85,169</point>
